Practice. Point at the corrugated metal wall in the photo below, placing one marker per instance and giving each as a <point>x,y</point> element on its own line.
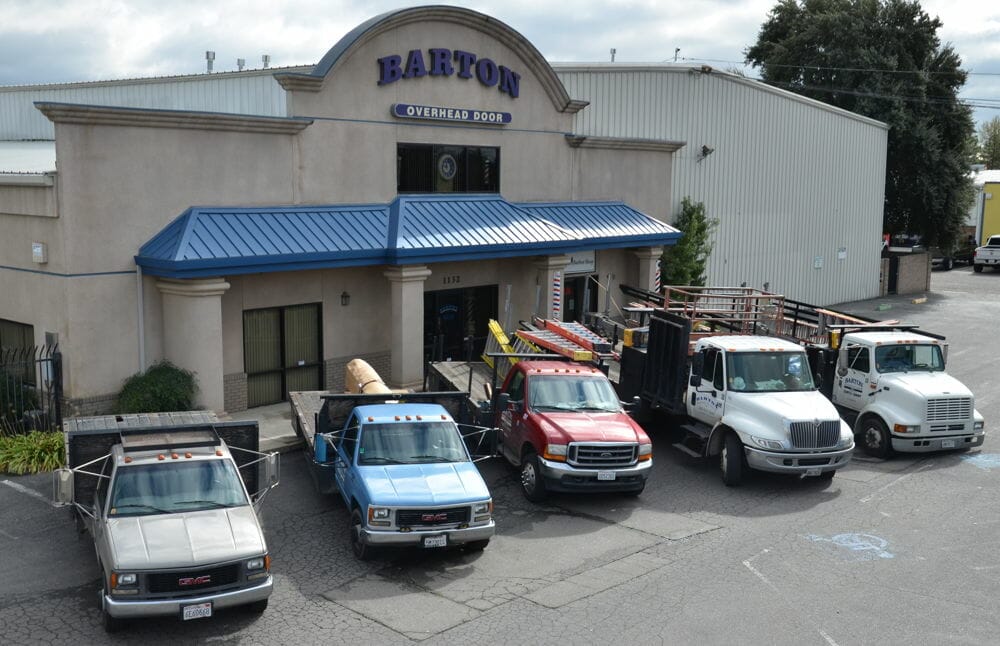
<point>254,92</point>
<point>797,187</point>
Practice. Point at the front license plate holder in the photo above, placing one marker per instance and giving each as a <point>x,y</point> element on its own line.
<point>441,540</point>
<point>606,475</point>
<point>813,472</point>
<point>196,611</point>
<point>947,444</point>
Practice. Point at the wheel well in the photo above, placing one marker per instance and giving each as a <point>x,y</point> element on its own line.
<point>526,448</point>
<point>717,438</point>
<point>864,418</point>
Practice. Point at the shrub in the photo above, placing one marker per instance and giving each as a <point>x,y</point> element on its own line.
<point>162,388</point>
<point>31,453</point>
<point>684,263</point>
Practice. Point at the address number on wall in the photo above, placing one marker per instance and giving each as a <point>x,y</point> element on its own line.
<point>451,280</point>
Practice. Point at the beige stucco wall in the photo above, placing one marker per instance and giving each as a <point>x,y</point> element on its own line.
<point>120,184</point>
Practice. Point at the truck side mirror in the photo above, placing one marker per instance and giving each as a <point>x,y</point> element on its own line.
<point>62,486</point>
<point>272,470</point>
<point>503,401</point>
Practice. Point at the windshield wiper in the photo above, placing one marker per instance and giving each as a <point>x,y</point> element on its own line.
<point>600,408</point>
<point>434,458</point>
<point>553,407</point>
<point>155,510</point>
<point>378,460</point>
<point>215,504</point>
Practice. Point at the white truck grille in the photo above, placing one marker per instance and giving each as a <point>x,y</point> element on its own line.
<point>815,435</point>
<point>947,409</point>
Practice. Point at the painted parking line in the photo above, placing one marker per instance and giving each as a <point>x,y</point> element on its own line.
<point>31,492</point>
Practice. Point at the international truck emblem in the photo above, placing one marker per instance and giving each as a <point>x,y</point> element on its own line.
<point>433,518</point>
<point>194,580</point>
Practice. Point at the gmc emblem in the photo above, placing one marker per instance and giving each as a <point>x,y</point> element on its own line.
<point>194,580</point>
<point>433,518</point>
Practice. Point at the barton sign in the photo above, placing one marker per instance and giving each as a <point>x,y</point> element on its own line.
<point>445,62</point>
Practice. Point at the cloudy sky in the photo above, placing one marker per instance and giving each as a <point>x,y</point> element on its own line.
<point>53,41</point>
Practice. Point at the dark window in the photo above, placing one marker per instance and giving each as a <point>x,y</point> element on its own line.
<point>857,358</point>
<point>516,391</point>
<point>709,365</point>
<point>427,168</point>
<point>349,439</point>
<point>16,335</point>
<point>282,351</point>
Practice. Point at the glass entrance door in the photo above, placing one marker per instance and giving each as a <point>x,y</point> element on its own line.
<point>282,351</point>
<point>452,315</point>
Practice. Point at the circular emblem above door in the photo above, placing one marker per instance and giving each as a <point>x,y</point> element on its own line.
<point>447,167</point>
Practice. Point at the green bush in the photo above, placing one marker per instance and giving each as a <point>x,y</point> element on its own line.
<point>162,388</point>
<point>32,453</point>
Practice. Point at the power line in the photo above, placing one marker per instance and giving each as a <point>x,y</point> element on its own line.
<point>975,103</point>
<point>837,69</point>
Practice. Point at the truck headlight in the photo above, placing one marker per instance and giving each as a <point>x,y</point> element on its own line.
<point>978,426</point>
<point>123,583</point>
<point>555,452</point>
<point>379,516</point>
<point>124,579</point>
<point>482,510</point>
<point>903,428</point>
<point>255,564</point>
<point>845,441</point>
<point>645,451</point>
<point>767,444</point>
<point>257,568</point>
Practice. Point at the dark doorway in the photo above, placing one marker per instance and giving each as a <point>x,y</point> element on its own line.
<point>451,315</point>
<point>579,296</point>
<point>282,351</point>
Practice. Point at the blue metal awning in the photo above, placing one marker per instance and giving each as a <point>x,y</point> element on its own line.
<point>413,229</point>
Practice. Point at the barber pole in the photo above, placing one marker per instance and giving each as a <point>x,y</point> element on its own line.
<point>656,278</point>
<point>557,296</point>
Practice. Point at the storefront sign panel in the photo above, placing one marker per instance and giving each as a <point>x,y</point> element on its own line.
<point>582,262</point>
<point>444,113</point>
<point>466,65</point>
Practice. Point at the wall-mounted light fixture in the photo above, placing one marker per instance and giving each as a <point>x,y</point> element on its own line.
<point>345,299</point>
<point>706,151</point>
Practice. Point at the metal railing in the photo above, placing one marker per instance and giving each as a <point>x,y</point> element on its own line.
<point>31,389</point>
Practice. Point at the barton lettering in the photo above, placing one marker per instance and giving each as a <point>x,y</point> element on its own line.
<point>446,62</point>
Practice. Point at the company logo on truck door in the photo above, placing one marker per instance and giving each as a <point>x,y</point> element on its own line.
<point>708,401</point>
<point>391,68</point>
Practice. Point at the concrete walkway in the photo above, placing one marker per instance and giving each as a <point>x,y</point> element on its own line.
<point>275,424</point>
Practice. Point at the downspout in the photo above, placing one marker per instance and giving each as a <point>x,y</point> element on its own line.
<point>141,318</point>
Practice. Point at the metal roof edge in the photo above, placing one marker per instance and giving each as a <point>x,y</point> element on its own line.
<point>86,114</point>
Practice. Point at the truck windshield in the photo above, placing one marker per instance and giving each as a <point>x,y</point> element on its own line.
<point>768,371</point>
<point>908,357</point>
<point>171,487</point>
<point>411,443</point>
<point>572,393</point>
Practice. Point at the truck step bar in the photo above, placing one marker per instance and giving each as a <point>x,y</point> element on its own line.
<point>685,449</point>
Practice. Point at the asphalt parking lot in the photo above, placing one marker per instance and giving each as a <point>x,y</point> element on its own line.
<point>902,551</point>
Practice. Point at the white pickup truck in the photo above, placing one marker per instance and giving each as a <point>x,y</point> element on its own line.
<point>988,255</point>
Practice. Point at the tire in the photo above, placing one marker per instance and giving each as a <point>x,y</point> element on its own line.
<point>476,546</point>
<point>257,607</point>
<point>948,264</point>
<point>532,482</point>
<point>361,551</point>
<point>827,476</point>
<point>874,437</point>
<point>731,460</point>
<point>977,268</point>
<point>635,492</point>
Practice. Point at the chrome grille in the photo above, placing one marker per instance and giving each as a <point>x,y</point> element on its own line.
<point>431,517</point>
<point>192,581</point>
<point>602,456</point>
<point>945,409</point>
<point>813,435</point>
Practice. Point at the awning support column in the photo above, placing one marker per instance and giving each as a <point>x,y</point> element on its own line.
<point>406,287</point>
<point>550,280</point>
<point>646,277</point>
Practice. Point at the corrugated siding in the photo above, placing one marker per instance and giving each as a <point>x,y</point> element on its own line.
<point>792,183</point>
<point>255,93</point>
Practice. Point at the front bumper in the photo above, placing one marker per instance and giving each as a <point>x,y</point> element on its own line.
<point>797,463</point>
<point>122,608</point>
<point>562,477</point>
<point>925,444</point>
<point>416,537</point>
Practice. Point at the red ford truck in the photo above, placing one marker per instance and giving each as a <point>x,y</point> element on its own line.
<point>562,425</point>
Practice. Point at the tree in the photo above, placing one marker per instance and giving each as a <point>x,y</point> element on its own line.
<point>883,59</point>
<point>989,143</point>
<point>684,263</point>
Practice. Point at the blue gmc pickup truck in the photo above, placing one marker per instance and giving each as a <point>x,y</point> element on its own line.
<point>404,470</point>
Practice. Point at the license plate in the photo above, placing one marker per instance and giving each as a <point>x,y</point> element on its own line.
<point>947,444</point>
<point>196,611</point>
<point>606,475</point>
<point>813,472</point>
<point>436,541</point>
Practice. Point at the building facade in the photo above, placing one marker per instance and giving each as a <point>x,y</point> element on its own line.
<point>424,178</point>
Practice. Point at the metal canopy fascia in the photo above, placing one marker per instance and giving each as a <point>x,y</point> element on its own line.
<point>476,227</point>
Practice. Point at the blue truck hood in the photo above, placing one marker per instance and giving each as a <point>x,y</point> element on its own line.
<point>443,483</point>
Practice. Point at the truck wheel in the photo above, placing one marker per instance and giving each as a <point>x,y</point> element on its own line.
<point>477,546</point>
<point>875,438</point>
<point>827,475</point>
<point>635,492</point>
<point>532,482</point>
<point>948,264</point>
<point>977,268</point>
<point>257,607</point>
<point>111,624</point>
<point>362,551</point>
<point>731,460</point>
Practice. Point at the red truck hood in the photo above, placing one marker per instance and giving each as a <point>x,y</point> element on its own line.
<point>590,426</point>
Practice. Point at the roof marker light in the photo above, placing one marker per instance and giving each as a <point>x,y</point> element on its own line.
<point>444,417</point>
<point>174,456</point>
<point>408,418</point>
<point>419,418</point>
<point>397,418</point>
<point>161,457</point>
<point>128,459</point>
<point>188,454</point>
<point>371,419</point>
<point>218,452</point>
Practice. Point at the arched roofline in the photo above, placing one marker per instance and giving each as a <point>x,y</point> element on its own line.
<point>373,27</point>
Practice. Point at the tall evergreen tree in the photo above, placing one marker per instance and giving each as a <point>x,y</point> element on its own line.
<point>989,143</point>
<point>684,263</point>
<point>883,59</point>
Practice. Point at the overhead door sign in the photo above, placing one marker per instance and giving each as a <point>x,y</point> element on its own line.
<point>445,62</point>
<point>441,113</point>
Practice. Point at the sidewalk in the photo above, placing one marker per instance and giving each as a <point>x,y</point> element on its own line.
<point>275,424</point>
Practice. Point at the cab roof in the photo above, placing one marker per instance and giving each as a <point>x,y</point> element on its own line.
<point>752,344</point>
<point>558,367</point>
<point>399,412</point>
<point>879,338</point>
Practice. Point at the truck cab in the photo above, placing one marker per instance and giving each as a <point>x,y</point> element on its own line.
<point>987,255</point>
<point>406,474</point>
<point>754,404</point>
<point>894,386</point>
<point>175,531</point>
<point>562,425</point>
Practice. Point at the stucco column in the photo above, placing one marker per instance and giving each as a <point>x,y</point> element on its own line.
<point>406,288</point>
<point>549,280</point>
<point>648,267</point>
<point>192,332</point>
